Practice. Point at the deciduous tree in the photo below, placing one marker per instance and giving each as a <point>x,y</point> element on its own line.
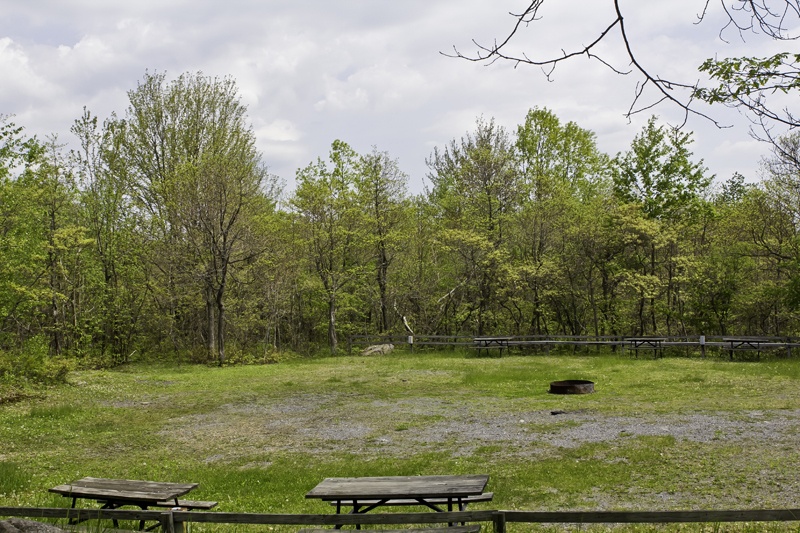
<point>195,172</point>
<point>326,200</point>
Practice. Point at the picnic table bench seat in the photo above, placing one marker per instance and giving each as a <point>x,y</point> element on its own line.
<point>188,504</point>
<point>471,528</point>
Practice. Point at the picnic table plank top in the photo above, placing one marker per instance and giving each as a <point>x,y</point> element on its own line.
<point>123,489</point>
<point>340,488</point>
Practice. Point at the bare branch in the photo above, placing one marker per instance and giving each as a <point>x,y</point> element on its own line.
<point>755,16</point>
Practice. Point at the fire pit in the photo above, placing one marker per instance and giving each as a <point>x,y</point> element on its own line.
<point>572,386</point>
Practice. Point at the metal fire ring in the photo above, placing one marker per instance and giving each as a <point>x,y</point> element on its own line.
<point>572,386</point>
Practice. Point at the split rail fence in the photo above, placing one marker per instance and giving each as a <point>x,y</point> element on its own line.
<point>722,343</point>
<point>174,521</point>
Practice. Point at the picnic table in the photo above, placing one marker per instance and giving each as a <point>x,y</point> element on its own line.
<point>755,344</point>
<point>115,493</point>
<point>364,494</point>
<point>487,343</point>
<point>645,343</point>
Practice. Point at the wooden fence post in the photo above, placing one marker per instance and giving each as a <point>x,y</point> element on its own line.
<point>170,525</point>
<point>499,521</point>
<point>166,522</point>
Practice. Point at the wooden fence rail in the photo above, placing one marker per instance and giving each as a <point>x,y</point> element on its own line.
<point>173,521</point>
<point>519,341</point>
<point>647,517</point>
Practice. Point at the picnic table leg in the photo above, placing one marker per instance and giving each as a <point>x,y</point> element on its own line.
<point>338,511</point>
<point>449,509</point>
<point>356,507</point>
<point>113,505</point>
<point>73,520</point>
<point>141,522</point>
<point>462,506</point>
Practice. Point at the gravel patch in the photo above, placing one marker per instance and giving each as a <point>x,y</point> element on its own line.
<point>493,429</point>
<point>306,421</point>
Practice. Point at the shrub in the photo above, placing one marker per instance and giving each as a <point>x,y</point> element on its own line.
<point>235,355</point>
<point>32,362</point>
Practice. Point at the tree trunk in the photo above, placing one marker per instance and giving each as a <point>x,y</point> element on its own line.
<point>221,326</point>
<point>382,275</point>
<point>594,308</point>
<point>652,299</point>
<point>56,341</point>
<point>332,321</point>
<point>211,324</point>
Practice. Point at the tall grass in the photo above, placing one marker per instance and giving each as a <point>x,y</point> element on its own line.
<point>53,412</point>
<point>13,478</point>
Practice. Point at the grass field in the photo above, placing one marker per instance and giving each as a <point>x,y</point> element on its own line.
<point>673,433</point>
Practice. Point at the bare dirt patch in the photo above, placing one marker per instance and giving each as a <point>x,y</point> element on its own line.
<point>750,450</point>
<point>349,424</point>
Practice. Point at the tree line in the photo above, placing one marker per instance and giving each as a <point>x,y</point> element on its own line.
<point>164,233</point>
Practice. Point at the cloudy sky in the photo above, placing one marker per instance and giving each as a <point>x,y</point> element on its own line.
<point>369,72</point>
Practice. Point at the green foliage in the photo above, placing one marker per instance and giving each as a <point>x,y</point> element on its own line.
<point>127,249</point>
<point>658,173</point>
<point>23,241</point>
<point>17,154</point>
<point>744,79</point>
<point>32,362</point>
<point>332,225</point>
<point>201,189</point>
<point>554,156</point>
<point>733,190</point>
<point>257,356</point>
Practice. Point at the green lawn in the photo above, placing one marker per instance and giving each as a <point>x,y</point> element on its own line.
<point>672,433</point>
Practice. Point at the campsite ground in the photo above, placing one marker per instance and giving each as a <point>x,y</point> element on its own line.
<point>672,433</point>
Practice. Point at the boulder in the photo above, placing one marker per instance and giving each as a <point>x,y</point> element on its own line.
<point>19,525</point>
<point>376,349</point>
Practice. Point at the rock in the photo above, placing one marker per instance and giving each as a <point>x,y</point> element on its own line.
<point>18,525</point>
<point>376,349</point>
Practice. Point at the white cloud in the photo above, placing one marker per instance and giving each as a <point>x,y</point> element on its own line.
<point>21,83</point>
<point>369,73</point>
<point>278,130</point>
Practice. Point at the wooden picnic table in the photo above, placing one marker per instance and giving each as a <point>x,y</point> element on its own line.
<point>755,344</point>
<point>645,343</point>
<point>488,343</point>
<point>115,493</point>
<point>364,494</point>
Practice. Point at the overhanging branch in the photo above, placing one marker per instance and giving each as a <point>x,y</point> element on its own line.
<point>743,15</point>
